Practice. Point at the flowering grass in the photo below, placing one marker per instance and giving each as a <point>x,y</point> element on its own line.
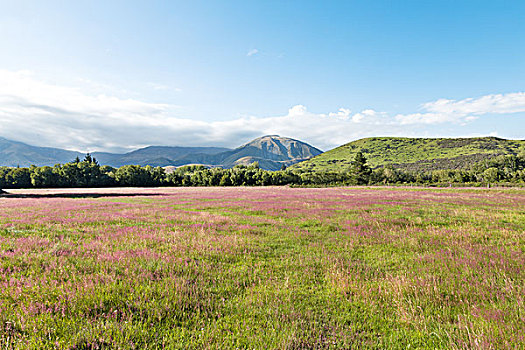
<point>262,268</point>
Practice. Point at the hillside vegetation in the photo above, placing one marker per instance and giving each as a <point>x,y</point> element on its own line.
<point>414,154</point>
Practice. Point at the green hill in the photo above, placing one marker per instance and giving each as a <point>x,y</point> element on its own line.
<point>414,153</point>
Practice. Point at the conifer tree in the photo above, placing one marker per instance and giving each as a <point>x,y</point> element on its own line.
<point>359,170</point>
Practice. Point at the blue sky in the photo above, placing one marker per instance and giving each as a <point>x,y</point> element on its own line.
<point>114,75</point>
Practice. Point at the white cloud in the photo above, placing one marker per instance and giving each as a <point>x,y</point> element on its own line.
<point>342,113</point>
<point>427,118</point>
<point>158,87</point>
<point>298,110</point>
<point>252,52</point>
<point>499,104</point>
<point>44,114</point>
<point>466,110</point>
<point>162,87</point>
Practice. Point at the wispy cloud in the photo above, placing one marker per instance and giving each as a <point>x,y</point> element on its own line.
<point>499,103</point>
<point>157,86</point>
<point>460,111</point>
<point>252,52</point>
<point>40,113</point>
<point>162,87</point>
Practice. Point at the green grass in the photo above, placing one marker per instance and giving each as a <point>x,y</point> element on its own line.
<point>413,153</point>
<point>265,268</point>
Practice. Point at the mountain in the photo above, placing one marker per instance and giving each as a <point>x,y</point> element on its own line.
<point>154,155</point>
<point>13,153</point>
<point>415,154</point>
<point>274,147</point>
<point>272,152</point>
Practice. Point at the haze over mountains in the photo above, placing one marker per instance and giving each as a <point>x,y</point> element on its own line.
<point>272,152</point>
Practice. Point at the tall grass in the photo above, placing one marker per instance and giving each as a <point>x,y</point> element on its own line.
<point>264,268</point>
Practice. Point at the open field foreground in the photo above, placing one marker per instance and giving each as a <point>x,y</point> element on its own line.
<point>262,268</point>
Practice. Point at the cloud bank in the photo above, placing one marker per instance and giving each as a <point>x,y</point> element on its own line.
<point>44,114</point>
<point>443,110</point>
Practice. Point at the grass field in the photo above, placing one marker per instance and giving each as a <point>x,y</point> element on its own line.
<point>262,268</point>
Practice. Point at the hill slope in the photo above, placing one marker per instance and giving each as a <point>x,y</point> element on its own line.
<point>414,153</point>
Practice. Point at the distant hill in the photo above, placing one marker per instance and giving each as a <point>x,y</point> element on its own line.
<point>416,154</point>
<point>272,152</point>
<point>13,153</point>
<point>154,155</point>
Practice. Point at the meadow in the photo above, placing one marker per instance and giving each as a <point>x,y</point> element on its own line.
<point>264,268</point>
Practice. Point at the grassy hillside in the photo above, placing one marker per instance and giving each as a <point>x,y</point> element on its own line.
<point>414,153</point>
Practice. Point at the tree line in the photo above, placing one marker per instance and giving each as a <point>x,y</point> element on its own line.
<point>89,173</point>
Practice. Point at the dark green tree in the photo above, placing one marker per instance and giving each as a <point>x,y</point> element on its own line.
<point>18,178</point>
<point>359,170</point>
<point>3,172</point>
<point>44,177</point>
<point>134,175</point>
<point>225,180</point>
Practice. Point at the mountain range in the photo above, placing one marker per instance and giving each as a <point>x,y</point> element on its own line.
<point>272,152</point>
